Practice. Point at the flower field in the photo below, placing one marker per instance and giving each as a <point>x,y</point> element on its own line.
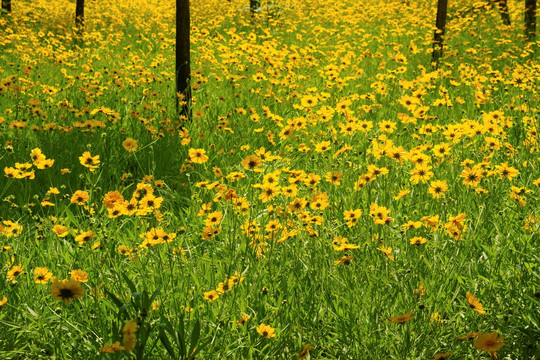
<point>335,195</point>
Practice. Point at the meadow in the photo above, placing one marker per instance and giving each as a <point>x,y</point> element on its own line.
<point>335,195</point>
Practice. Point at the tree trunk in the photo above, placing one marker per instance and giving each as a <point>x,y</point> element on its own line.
<point>79,14</point>
<point>442,6</point>
<point>505,16</point>
<point>253,5</point>
<point>6,6</point>
<point>530,19</point>
<point>183,67</point>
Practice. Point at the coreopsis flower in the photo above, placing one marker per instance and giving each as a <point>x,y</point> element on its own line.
<point>42,275</point>
<point>418,240</point>
<point>344,260</point>
<point>269,192</point>
<point>352,216</point>
<point>89,161</point>
<point>112,348</point>
<point>211,295</point>
<point>243,320</point>
<point>471,177</point>
<point>79,275</point>
<point>3,301</point>
<point>304,353</point>
<point>85,236</point>
<point>128,335</point>
<point>506,172</point>
<point>341,243</point>
<point>37,156</point>
<point>130,145</point>
<point>438,188</point>
<point>322,146</point>
<point>400,318</point>
<point>333,177</point>
<point>421,173</point>
<point>387,251</point>
<point>80,197</point>
<point>197,156</point>
<point>214,218</point>
<point>490,342</point>
<point>475,304</point>
<point>440,356</point>
<point>111,198</point>
<point>379,214</point>
<point>14,272</point>
<point>251,162</point>
<point>150,202</point>
<point>224,287</point>
<point>266,331</point>
<point>402,193</point>
<point>66,290</point>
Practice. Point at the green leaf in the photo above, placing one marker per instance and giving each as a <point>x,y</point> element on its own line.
<point>195,334</point>
<point>154,295</point>
<point>166,342</point>
<point>114,299</point>
<point>130,283</point>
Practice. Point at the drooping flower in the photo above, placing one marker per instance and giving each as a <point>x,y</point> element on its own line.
<point>475,304</point>
<point>400,318</point>
<point>490,342</point>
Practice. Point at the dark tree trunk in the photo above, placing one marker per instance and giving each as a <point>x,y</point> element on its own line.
<point>530,19</point>
<point>183,67</point>
<point>438,38</point>
<point>79,14</point>
<point>505,16</point>
<point>6,6</point>
<point>253,5</point>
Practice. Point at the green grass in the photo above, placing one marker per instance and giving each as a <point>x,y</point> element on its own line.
<point>117,82</point>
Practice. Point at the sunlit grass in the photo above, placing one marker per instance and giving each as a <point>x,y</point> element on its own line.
<point>335,196</point>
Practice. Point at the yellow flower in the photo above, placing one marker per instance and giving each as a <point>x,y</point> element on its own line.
<point>80,197</point>
<point>438,188</point>
<point>251,162</point>
<point>211,295</point>
<point>266,331</point>
<point>128,335</point>
<point>14,272</point>
<point>111,198</point>
<point>3,301</point>
<point>130,144</point>
<point>60,230</point>
<point>112,348</point>
<point>475,303</point>
<point>79,275</point>
<point>89,161</point>
<point>304,353</point>
<point>400,318</point>
<point>84,237</point>
<point>243,319</point>
<point>197,156</point>
<point>66,290</point>
<point>42,275</point>
<point>387,251</point>
<point>489,342</point>
<point>418,240</point>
